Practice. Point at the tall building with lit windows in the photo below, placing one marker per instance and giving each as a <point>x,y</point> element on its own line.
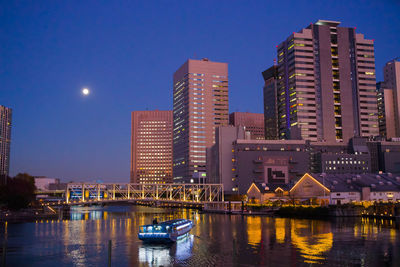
<point>151,147</point>
<point>389,100</point>
<point>326,88</point>
<point>200,104</point>
<point>5,142</point>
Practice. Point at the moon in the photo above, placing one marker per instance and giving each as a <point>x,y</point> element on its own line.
<point>85,91</point>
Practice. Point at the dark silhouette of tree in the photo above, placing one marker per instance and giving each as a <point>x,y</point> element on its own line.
<point>19,191</point>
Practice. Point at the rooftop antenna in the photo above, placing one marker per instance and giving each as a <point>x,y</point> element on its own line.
<point>194,55</point>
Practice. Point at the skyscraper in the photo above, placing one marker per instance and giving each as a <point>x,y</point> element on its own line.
<point>151,147</point>
<point>5,141</point>
<point>200,100</point>
<point>253,123</point>
<point>389,100</point>
<point>270,103</point>
<point>326,84</point>
<point>385,110</point>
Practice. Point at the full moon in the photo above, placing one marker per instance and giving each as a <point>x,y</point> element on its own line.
<point>85,91</point>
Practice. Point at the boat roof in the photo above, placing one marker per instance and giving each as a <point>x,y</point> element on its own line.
<point>170,222</point>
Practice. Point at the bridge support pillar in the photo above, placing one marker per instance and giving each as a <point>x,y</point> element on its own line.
<point>156,191</point>
<point>83,192</point>
<point>98,191</point>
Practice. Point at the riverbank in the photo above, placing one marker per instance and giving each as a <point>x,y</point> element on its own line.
<point>33,214</point>
<point>377,210</point>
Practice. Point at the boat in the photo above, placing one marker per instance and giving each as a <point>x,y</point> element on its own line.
<point>168,231</point>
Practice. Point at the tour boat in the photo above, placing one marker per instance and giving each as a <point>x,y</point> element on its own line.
<point>168,231</point>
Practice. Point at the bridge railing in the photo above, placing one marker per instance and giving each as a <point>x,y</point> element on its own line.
<point>83,192</point>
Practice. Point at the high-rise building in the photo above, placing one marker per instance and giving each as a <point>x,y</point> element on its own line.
<point>253,123</point>
<point>151,147</point>
<point>326,84</point>
<point>385,110</point>
<point>5,141</point>
<point>200,100</point>
<point>270,103</point>
<point>389,100</point>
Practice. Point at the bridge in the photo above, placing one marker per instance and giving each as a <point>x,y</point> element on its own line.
<point>82,193</point>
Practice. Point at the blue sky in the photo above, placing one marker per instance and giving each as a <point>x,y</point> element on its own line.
<point>126,53</point>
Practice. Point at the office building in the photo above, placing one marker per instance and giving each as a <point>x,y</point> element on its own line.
<point>5,142</point>
<point>326,84</point>
<point>200,104</point>
<point>270,103</point>
<point>389,100</point>
<point>385,110</point>
<point>220,157</point>
<point>151,147</point>
<point>253,123</point>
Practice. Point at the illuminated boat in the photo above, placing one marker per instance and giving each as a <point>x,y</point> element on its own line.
<point>168,231</point>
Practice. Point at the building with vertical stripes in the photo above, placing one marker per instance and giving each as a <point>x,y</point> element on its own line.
<point>151,147</point>
<point>5,142</point>
<point>200,104</point>
<point>326,88</point>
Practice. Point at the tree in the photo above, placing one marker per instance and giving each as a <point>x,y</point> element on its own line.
<point>19,191</point>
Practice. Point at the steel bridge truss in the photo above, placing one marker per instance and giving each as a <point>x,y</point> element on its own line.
<point>84,192</point>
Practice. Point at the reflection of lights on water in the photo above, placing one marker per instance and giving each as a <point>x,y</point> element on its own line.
<point>184,248</point>
<point>253,230</point>
<point>312,247</point>
<point>154,255</point>
<point>163,254</point>
<point>84,215</point>
<point>280,230</point>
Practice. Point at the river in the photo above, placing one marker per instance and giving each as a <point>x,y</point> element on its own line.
<point>216,240</point>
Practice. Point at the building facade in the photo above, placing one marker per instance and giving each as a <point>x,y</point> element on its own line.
<point>268,161</point>
<point>253,123</point>
<point>200,104</point>
<point>335,189</point>
<point>389,100</point>
<point>385,111</point>
<point>5,142</point>
<point>270,103</point>
<point>220,171</point>
<point>151,147</point>
<point>326,88</point>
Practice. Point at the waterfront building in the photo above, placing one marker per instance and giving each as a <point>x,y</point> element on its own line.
<point>200,104</point>
<point>268,161</point>
<point>270,103</point>
<point>389,100</point>
<point>326,84</point>
<point>5,142</point>
<point>253,123</point>
<point>330,188</point>
<point>151,146</point>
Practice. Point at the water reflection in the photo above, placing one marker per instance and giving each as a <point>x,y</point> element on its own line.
<point>216,240</point>
<point>312,239</point>
<point>166,254</point>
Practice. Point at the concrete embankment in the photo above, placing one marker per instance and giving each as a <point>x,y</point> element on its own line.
<point>28,215</point>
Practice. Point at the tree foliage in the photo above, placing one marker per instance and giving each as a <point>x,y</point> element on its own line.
<point>19,191</point>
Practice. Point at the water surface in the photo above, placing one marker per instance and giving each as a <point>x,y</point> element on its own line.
<point>216,240</point>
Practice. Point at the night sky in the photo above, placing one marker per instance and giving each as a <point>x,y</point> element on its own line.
<point>126,53</point>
